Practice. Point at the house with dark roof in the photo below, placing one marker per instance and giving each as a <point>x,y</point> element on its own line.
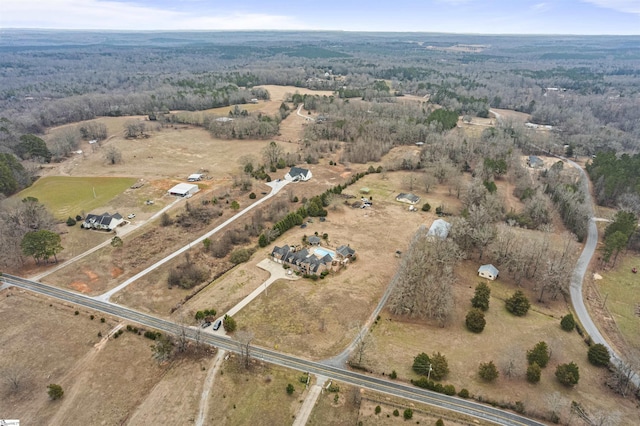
<point>297,174</point>
<point>314,240</point>
<point>345,252</point>
<point>302,260</point>
<point>103,221</point>
<point>278,254</point>
<point>408,198</point>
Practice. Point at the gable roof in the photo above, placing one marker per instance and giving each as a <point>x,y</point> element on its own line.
<point>412,198</point>
<point>345,251</point>
<point>439,228</point>
<point>313,239</point>
<point>298,171</point>
<point>489,268</point>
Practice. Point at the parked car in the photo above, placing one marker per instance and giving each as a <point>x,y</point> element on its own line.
<point>217,324</point>
<point>131,216</point>
<point>206,324</point>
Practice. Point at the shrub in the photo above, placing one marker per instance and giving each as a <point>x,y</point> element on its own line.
<point>421,364</point>
<point>200,315</point>
<point>568,323</point>
<point>475,320</point>
<point>439,365</point>
<point>240,255</point>
<point>76,313</point>
<point>396,413</point>
<point>229,324</point>
<point>480,299</point>
<point>263,241</point>
<point>426,207</point>
<point>378,409</point>
<point>102,320</point>
<point>151,335</point>
<point>440,422</point>
<point>449,390</point>
<point>290,389</point>
<point>539,354</point>
<point>55,391</point>
<point>533,373</point>
<point>408,414</point>
<point>252,196</point>
<point>71,221</point>
<point>91,317</point>
<point>518,304</point>
<point>165,220</point>
<point>235,205</point>
<point>393,375</point>
<point>78,218</point>
<point>464,393</point>
<point>599,355</point>
<point>568,374</point>
<point>488,371</point>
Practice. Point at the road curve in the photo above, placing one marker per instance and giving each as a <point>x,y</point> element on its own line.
<point>580,271</point>
<point>459,405</point>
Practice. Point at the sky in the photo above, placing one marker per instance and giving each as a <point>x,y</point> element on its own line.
<point>449,16</point>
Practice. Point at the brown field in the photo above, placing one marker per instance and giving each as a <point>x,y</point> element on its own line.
<point>107,378</point>
<point>117,382</point>
<point>254,397</point>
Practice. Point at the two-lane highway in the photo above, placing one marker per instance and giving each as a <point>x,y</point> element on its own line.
<point>380,385</point>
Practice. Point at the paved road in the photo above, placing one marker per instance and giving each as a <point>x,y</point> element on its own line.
<point>276,186</point>
<point>336,373</point>
<point>581,269</point>
<point>310,401</point>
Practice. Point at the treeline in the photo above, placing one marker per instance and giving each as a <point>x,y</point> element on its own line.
<point>615,177</point>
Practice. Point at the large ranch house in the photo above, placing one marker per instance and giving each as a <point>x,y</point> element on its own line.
<point>104,221</point>
<point>314,260</point>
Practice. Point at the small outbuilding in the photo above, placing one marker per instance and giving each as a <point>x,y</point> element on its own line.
<point>195,177</point>
<point>439,228</point>
<point>184,190</point>
<point>297,174</point>
<point>535,162</point>
<point>408,198</point>
<point>489,272</point>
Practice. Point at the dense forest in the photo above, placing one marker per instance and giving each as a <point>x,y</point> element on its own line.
<point>587,88</point>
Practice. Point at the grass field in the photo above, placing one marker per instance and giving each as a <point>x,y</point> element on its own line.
<point>621,287</point>
<point>68,196</point>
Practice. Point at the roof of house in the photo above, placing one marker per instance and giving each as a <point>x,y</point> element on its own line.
<point>489,268</point>
<point>195,176</point>
<point>439,228</point>
<point>313,239</point>
<point>182,188</point>
<point>345,251</point>
<point>280,251</point>
<point>298,171</point>
<point>103,219</point>
<point>535,160</point>
<point>408,196</point>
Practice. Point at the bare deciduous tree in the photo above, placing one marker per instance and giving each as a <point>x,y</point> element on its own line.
<point>422,287</point>
<point>113,155</point>
<point>244,338</point>
<point>364,344</point>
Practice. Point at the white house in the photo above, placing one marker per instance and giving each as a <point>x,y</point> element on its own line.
<point>195,177</point>
<point>439,228</point>
<point>103,221</point>
<point>184,190</point>
<point>298,174</point>
<point>489,272</point>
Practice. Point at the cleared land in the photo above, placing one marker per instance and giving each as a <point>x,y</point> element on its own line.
<point>619,292</point>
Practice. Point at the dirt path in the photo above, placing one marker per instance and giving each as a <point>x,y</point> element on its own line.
<point>77,380</point>
<point>208,384</point>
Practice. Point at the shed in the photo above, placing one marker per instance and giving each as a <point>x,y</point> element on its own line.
<point>407,198</point>
<point>314,240</point>
<point>439,228</point>
<point>195,177</point>
<point>184,190</point>
<point>489,272</point>
<point>535,162</point>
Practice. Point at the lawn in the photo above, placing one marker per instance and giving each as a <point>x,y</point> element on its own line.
<point>621,287</point>
<point>68,196</point>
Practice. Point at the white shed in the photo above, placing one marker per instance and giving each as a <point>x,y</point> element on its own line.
<point>184,190</point>
<point>194,177</point>
<point>439,228</point>
<point>489,272</point>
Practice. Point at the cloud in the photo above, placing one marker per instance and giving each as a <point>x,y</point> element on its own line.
<point>95,14</point>
<point>541,7</point>
<point>625,6</point>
